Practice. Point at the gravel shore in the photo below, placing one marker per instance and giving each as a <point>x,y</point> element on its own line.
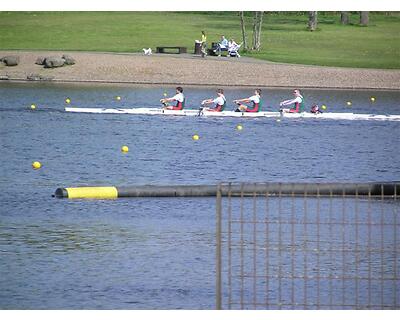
<point>188,69</point>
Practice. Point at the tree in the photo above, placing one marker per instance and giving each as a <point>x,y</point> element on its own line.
<point>312,20</point>
<point>257,26</point>
<point>244,36</point>
<point>364,18</point>
<point>344,17</point>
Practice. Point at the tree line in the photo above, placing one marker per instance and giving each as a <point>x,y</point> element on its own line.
<point>257,20</point>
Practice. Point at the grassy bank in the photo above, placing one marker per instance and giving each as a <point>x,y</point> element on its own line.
<point>284,35</point>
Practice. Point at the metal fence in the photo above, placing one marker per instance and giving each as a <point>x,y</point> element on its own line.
<point>278,248</point>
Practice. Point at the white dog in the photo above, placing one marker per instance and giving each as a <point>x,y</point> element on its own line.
<point>147,52</point>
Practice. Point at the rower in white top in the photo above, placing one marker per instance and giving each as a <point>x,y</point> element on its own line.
<point>178,97</point>
<point>255,100</point>
<point>298,102</point>
<point>219,101</point>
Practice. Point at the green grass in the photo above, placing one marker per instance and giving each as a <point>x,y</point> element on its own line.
<point>284,35</point>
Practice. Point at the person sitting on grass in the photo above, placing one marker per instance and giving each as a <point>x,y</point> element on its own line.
<point>178,97</point>
<point>233,48</point>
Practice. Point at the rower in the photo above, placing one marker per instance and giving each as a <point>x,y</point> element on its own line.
<point>315,109</point>
<point>220,102</point>
<point>256,100</point>
<point>298,102</point>
<point>178,97</point>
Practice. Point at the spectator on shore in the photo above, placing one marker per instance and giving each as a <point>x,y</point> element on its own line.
<point>222,46</point>
<point>231,44</point>
<point>203,42</point>
<point>233,48</point>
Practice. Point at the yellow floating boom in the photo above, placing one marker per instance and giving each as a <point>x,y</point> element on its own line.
<point>235,190</point>
<point>88,193</point>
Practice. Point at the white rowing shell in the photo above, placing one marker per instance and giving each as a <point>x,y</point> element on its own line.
<point>192,112</point>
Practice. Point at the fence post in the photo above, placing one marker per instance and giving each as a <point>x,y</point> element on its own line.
<point>218,248</point>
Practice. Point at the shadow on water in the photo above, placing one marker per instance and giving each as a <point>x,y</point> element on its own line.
<point>60,238</point>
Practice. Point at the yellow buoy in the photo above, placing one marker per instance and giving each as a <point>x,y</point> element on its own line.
<point>165,94</point>
<point>349,103</point>
<point>124,149</point>
<point>195,137</point>
<point>36,165</point>
<point>239,127</point>
<point>118,98</point>
<point>323,107</point>
<point>278,120</point>
<point>68,100</point>
<point>33,107</point>
<point>373,99</point>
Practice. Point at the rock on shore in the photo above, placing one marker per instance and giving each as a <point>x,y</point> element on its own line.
<point>10,61</point>
<point>53,62</point>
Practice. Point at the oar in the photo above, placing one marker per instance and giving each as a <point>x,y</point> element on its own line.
<point>201,110</point>
<point>238,107</point>
<point>164,104</point>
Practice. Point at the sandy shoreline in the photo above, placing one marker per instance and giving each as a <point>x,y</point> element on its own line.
<point>133,68</point>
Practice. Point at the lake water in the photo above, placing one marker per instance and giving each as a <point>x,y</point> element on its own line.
<point>153,253</point>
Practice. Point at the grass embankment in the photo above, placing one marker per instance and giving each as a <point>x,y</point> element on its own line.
<point>284,35</point>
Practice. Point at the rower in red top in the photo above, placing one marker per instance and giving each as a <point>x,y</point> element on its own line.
<point>298,102</point>
<point>255,100</point>
<point>178,97</point>
<point>220,102</point>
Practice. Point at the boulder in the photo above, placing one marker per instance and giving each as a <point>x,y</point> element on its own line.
<point>40,60</point>
<point>33,77</point>
<point>53,62</point>
<point>10,60</point>
<point>38,77</point>
<point>68,59</point>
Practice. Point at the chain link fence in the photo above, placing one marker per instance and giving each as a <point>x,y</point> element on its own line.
<point>307,246</point>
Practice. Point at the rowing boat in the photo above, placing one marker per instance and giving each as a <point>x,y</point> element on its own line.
<point>193,112</point>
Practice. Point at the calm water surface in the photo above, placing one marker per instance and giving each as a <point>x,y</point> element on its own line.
<point>153,253</point>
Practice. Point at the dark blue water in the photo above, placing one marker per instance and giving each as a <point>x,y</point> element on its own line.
<point>158,253</point>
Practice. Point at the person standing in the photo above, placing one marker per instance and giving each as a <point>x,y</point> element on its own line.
<point>297,102</point>
<point>179,98</point>
<point>220,102</point>
<point>255,100</point>
<point>203,43</point>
